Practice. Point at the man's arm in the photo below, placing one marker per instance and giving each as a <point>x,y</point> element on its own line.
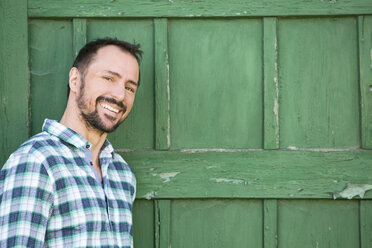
<point>26,200</point>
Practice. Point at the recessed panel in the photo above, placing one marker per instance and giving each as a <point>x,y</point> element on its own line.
<point>216,223</point>
<point>215,83</point>
<point>318,223</point>
<point>143,224</point>
<point>138,129</point>
<point>318,83</point>
<point>50,61</point>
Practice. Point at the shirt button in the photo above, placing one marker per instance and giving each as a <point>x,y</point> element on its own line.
<point>91,163</point>
<point>87,146</point>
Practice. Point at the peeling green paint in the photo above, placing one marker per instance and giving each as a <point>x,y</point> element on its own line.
<point>150,195</point>
<point>352,190</point>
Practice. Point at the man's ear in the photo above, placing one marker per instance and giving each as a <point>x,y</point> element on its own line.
<point>74,80</point>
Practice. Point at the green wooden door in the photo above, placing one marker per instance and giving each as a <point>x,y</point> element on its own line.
<point>250,119</point>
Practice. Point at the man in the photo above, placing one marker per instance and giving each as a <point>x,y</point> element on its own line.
<point>66,187</point>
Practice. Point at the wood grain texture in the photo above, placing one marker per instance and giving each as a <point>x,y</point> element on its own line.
<point>365,70</point>
<point>164,223</point>
<point>14,82</point>
<point>270,218</point>
<point>144,224</point>
<point>232,223</point>
<point>216,83</point>
<point>271,84</point>
<point>318,74</point>
<point>259,174</point>
<point>51,58</point>
<point>366,223</point>
<point>79,36</point>
<point>162,97</point>
<point>137,131</point>
<point>180,8</point>
<point>318,223</point>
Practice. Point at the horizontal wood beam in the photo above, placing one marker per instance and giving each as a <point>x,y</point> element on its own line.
<point>252,174</point>
<point>181,8</point>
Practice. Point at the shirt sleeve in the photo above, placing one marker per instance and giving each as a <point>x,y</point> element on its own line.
<point>26,200</point>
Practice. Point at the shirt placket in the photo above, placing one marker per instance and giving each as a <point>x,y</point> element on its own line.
<point>104,165</point>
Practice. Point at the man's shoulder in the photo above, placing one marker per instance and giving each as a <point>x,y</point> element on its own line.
<point>38,143</point>
<point>36,149</point>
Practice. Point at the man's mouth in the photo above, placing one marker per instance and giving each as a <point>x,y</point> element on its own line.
<point>106,106</point>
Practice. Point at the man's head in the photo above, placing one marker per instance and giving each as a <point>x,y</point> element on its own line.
<point>103,81</point>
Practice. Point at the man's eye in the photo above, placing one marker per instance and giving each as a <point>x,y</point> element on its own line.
<point>107,78</point>
<point>130,89</point>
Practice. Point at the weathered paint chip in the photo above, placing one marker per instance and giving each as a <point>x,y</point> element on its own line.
<point>150,195</point>
<point>230,180</point>
<point>168,176</point>
<point>352,190</point>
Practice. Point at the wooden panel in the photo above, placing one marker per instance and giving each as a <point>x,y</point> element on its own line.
<point>162,93</point>
<point>216,223</point>
<point>318,69</point>
<point>309,224</point>
<point>14,83</point>
<point>366,223</point>
<point>270,223</point>
<point>163,225</point>
<point>143,224</point>
<point>261,174</point>
<point>138,130</point>
<point>365,67</point>
<point>216,83</point>
<point>180,8</point>
<point>50,61</point>
<point>79,36</point>
<point>271,84</point>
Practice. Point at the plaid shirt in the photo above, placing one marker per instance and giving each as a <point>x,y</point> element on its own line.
<point>50,195</point>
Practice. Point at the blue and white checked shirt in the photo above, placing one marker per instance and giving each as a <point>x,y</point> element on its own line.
<point>50,195</point>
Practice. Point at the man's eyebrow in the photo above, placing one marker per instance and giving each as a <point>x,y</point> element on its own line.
<point>113,73</point>
<point>119,76</point>
<point>132,82</point>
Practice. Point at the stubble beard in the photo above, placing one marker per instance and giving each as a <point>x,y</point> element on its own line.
<point>92,119</point>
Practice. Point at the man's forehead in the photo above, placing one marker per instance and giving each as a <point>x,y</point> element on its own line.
<point>109,50</point>
<point>115,56</point>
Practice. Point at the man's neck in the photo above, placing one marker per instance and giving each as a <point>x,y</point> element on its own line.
<point>95,137</point>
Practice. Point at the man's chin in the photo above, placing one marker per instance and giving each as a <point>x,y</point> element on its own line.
<point>109,127</point>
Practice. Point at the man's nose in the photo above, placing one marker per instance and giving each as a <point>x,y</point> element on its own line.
<point>118,91</point>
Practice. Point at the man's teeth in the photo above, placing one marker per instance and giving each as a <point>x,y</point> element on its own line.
<point>110,108</point>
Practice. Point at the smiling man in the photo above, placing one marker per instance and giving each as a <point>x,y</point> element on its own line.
<point>66,187</point>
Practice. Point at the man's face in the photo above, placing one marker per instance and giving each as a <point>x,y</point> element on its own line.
<point>108,89</point>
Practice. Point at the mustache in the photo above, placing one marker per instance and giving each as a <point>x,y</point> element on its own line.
<point>113,101</point>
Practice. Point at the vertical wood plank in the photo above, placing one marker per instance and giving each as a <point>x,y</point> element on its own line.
<point>366,223</point>
<point>270,224</point>
<point>14,77</point>
<point>79,37</point>
<point>271,87</point>
<point>365,70</point>
<point>162,223</point>
<point>162,97</point>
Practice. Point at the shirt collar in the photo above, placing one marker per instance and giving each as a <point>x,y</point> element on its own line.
<point>68,135</point>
